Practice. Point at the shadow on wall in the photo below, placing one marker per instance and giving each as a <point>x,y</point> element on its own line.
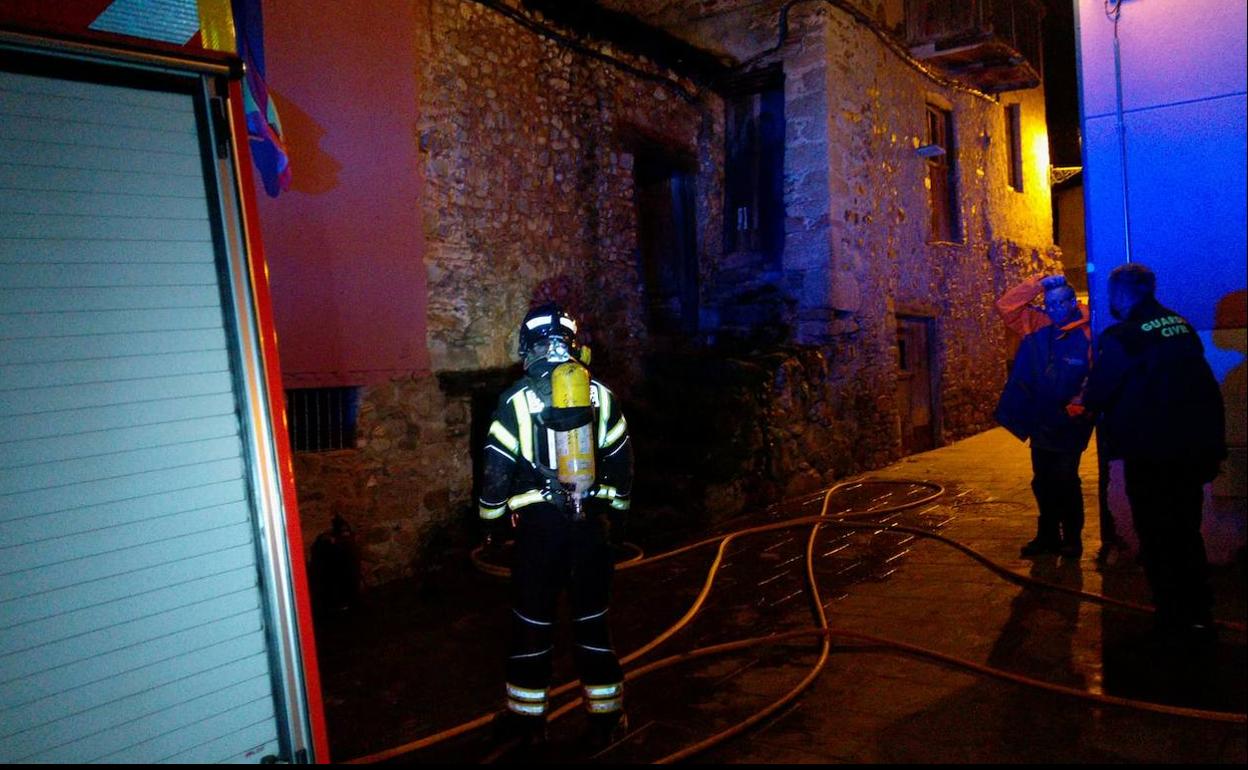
<point>313,171</point>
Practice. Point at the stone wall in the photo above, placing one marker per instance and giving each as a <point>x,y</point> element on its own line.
<point>403,488</point>
<point>528,148</point>
<point>858,251</point>
<point>883,260</point>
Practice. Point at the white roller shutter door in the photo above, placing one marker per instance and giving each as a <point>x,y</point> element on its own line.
<point>132,623</point>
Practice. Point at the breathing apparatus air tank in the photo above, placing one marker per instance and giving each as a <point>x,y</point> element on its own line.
<point>574,434</point>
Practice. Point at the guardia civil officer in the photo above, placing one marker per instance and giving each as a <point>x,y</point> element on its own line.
<point>1162,413</point>
<point>557,473</point>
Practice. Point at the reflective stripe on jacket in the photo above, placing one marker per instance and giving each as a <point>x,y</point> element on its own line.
<point>519,456</point>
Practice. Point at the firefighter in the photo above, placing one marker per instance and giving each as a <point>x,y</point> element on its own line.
<point>557,473</point>
<point>1162,413</point>
<point>1049,373</point>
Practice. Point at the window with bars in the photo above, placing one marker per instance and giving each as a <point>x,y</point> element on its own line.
<point>322,419</point>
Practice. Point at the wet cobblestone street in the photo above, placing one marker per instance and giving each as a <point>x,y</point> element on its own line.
<point>411,663</point>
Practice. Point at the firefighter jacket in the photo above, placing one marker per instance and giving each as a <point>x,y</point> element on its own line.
<point>519,463</point>
<point>1157,398</point>
<point>1049,372</point>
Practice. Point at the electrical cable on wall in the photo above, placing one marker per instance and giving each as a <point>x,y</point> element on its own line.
<point>856,14</point>
<point>1113,12</point>
<point>891,44</point>
<point>562,39</point>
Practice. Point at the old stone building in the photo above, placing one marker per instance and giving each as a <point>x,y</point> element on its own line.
<point>783,224</point>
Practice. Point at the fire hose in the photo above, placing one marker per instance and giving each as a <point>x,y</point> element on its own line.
<point>823,631</point>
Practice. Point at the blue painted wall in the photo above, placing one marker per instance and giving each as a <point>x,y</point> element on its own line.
<point>1184,81</point>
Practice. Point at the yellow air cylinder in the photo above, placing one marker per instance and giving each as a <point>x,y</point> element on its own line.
<point>574,448</point>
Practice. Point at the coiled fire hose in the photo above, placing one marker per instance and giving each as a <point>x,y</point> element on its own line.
<point>823,631</point>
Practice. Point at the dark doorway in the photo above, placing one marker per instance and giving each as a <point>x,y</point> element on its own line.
<point>667,243</point>
<point>479,391</point>
<point>916,386</point>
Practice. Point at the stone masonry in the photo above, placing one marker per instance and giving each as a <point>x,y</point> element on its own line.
<point>529,147</point>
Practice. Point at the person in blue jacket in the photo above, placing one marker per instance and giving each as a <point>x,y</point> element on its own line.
<point>1040,404</point>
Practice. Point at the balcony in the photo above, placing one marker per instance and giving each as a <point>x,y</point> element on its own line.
<point>993,45</point>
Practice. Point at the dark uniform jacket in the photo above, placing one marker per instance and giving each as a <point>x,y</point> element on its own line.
<point>1048,374</point>
<point>1156,395</point>
<point>519,464</point>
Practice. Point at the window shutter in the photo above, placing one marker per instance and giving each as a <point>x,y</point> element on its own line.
<point>131,619</point>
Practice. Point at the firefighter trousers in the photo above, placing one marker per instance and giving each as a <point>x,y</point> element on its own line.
<point>555,554</point>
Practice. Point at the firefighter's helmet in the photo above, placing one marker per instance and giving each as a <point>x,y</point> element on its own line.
<point>548,333</point>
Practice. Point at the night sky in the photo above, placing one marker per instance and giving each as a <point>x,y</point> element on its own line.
<point>1061,84</point>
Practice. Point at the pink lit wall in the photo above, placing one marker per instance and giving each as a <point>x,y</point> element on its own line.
<point>344,244</point>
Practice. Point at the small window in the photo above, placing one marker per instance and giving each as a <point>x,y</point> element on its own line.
<point>941,184</point>
<point>1014,137</point>
<point>754,165</point>
<point>322,419</point>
